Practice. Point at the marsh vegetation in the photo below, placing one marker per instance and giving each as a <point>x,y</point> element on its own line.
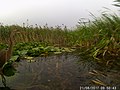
<point>98,39</point>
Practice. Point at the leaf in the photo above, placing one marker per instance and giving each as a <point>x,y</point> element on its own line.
<point>95,53</point>
<point>29,58</point>
<point>72,50</point>
<point>57,52</point>
<point>9,70</point>
<point>57,49</point>
<point>36,49</point>
<point>97,81</point>
<point>23,52</point>
<point>14,58</point>
<point>30,61</point>
<point>67,50</point>
<point>104,52</point>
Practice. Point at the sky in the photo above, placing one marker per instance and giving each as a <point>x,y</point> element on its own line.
<point>52,12</point>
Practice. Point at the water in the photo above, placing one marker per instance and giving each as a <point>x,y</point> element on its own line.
<point>60,72</point>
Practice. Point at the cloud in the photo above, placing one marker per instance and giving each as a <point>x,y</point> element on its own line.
<point>51,11</point>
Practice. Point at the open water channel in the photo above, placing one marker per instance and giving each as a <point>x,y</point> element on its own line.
<point>62,72</point>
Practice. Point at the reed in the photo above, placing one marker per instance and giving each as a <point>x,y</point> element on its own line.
<point>101,36</point>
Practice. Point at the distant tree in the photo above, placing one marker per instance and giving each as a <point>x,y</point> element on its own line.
<point>117,4</point>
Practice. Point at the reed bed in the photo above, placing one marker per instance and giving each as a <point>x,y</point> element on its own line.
<point>101,37</point>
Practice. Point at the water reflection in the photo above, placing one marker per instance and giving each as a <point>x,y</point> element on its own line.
<point>5,88</point>
<point>59,72</point>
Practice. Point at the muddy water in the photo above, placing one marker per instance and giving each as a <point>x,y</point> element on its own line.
<point>61,72</point>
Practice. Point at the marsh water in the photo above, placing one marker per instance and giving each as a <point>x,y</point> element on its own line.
<point>61,72</point>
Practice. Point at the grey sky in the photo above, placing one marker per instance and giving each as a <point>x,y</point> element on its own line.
<point>53,12</point>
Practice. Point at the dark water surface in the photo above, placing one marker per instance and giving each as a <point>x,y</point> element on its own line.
<point>61,72</point>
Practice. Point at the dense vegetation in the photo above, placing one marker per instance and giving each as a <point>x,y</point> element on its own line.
<point>99,38</point>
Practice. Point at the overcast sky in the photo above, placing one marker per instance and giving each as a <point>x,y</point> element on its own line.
<point>53,12</point>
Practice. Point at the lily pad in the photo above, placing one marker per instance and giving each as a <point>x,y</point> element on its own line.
<point>9,70</point>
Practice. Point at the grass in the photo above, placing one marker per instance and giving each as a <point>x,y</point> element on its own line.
<point>100,37</point>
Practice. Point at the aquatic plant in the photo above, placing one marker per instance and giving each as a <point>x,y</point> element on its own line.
<point>117,4</point>
<point>38,49</point>
<point>100,37</point>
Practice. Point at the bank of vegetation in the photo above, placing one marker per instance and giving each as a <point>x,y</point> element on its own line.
<point>99,38</point>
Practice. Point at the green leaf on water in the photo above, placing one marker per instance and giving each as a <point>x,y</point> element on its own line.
<point>57,52</point>
<point>9,70</point>
<point>29,58</point>
<point>14,58</point>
